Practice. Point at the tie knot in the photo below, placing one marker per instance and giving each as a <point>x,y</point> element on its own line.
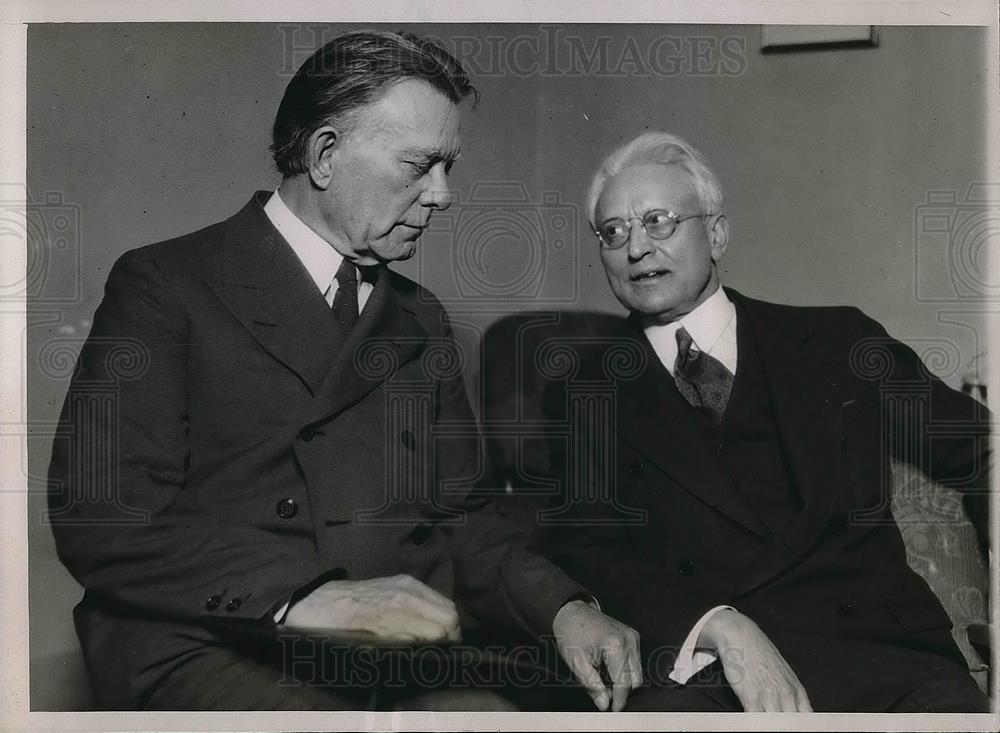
<point>346,273</point>
<point>685,344</point>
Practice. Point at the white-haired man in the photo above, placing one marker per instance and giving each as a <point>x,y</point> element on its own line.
<point>752,438</point>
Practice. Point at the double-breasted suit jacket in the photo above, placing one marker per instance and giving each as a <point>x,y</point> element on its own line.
<point>224,446</point>
<point>660,533</point>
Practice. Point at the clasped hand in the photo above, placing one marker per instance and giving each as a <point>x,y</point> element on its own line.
<point>398,608</point>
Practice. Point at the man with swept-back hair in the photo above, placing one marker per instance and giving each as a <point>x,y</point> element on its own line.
<point>768,574</point>
<point>267,435</point>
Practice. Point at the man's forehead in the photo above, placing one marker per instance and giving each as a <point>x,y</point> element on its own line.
<point>415,114</point>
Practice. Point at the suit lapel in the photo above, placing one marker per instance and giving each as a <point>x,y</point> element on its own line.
<point>656,421</point>
<point>386,336</point>
<point>797,376</point>
<point>266,287</point>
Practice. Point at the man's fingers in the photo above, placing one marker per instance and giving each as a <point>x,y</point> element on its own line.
<point>621,679</point>
<point>802,703</point>
<point>787,702</point>
<point>635,663</point>
<point>588,678</point>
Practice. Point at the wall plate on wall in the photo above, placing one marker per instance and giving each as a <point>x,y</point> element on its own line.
<point>808,37</point>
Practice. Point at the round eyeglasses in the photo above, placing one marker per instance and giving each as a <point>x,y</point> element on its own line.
<point>658,224</point>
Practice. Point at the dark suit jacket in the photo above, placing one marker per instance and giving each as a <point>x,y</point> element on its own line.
<point>223,447</point>
<point>644,515</point>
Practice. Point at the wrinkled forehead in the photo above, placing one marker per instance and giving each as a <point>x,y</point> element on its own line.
<point>639,188</point>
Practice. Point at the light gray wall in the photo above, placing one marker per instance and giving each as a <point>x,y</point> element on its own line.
<point>147,132</point>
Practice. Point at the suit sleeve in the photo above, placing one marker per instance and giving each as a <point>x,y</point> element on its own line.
<point>119,466</point>
<point>500,579</point>
<point>950,440</point>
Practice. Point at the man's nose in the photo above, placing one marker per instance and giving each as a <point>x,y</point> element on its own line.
<point>639,243</point>
<point>437,193</point>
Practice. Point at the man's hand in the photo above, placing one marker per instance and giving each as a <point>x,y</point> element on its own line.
<point>398,608</point>
<point>587,639</point>
<point>754,668</point>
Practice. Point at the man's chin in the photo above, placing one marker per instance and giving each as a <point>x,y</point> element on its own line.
<point>657,311</point>
<point>401,250</point>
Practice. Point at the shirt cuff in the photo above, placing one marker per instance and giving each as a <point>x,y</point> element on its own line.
<point>279,616</point>
<point>691,660</point>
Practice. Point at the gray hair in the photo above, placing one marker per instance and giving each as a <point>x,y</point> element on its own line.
<point>347,74</point>
<point>663,148</point>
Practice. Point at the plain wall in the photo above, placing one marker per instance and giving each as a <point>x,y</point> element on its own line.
<point>144,132</point>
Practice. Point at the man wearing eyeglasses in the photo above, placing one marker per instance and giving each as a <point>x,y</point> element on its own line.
<point>768,573</point>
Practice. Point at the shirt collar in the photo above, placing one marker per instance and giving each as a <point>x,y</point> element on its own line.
<point>709,320</point>
<point>712,327</point>
<point>318,256</point>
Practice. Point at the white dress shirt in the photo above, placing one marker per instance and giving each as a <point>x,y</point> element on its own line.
<point>321,261</point>
<point>317,255</point>
<point>712,327</point>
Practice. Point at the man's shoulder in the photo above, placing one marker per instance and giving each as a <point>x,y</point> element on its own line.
<point>199,250</point>
<point>828,317</point>
<point>185,251</point>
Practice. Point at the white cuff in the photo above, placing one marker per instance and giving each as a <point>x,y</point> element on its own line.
<point>280,615</point>
<point>691,660</point>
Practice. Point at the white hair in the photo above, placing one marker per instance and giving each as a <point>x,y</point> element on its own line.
<point>662,148</point>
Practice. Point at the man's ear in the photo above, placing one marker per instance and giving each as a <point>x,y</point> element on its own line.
<point>322,148</point>
<point>718,235</point>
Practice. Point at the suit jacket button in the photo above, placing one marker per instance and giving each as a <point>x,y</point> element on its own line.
<point>421,534</point>
<point>408,439</point>
<point>307,434</point>
<point>636,468</point>
<point>233,604</point>
<point>287,508</point>
<point>843,442</point>
<point>213,603</point>
<point>845,610</point>
<point>685,567</point>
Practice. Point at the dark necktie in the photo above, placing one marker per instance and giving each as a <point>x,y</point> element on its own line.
<point>700,378</point>
<point>345,300</point>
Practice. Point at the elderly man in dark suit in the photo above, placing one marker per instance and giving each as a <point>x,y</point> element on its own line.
<point>268,431</point>
<point>732,503</point>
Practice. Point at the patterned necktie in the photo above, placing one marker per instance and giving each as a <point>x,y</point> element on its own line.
<point>345,300</point>
<point>701,378</point>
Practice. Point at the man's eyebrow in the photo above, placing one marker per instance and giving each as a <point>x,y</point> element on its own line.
<point>434,154</point>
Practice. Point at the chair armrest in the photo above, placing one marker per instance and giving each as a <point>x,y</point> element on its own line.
<point>981,638</point>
